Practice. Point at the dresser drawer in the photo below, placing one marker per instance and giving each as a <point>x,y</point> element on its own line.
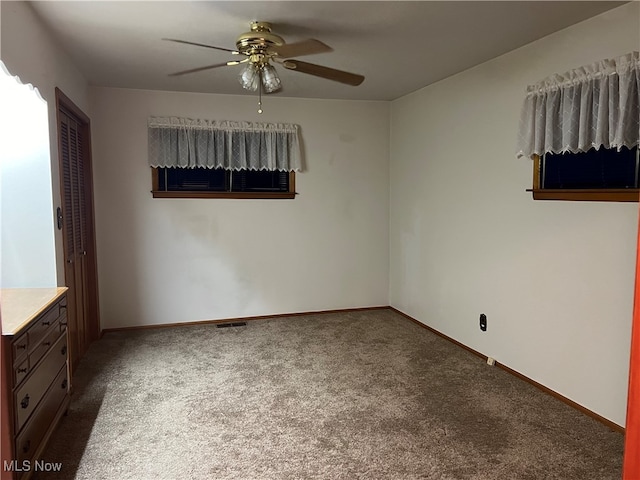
<point>29,394</point>
<point>20,346</point>
<point>37,351</point>
<point>36,428</point>
<point>40,327</point>
<point>20,371</point>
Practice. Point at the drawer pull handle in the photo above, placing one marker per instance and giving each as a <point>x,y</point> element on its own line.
<point>22,370</point>
<point>27,446</point>
<point>46,323</point>
<point>22,346</point>
<point>25,401</point>
<point>64,384</point>
<point>63,351</point>
<point>46,344</point>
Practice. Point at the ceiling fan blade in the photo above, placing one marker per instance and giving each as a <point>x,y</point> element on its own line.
<point>305,47</point>
<point>234,52</point>
<point>324,72</point>
<point>208,67</point>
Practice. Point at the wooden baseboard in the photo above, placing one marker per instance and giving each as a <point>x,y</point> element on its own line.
<point>241,319</point>
<point>612,425</point>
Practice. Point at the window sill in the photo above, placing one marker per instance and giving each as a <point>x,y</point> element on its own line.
<point>255,195</point>
<point>589,195</point>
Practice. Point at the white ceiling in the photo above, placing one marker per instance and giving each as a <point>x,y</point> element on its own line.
<point>398,46</point>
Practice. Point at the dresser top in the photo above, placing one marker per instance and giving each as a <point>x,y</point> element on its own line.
<point>19,306</point>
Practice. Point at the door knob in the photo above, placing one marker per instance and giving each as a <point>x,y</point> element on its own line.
<point>59,217</point>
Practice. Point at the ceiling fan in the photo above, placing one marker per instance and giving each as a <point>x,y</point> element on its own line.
<point>261,48</point>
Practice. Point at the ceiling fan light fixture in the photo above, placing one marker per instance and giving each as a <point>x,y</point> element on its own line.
<point>249,77</point>
<point>270,79</point>
<point>260,47</point>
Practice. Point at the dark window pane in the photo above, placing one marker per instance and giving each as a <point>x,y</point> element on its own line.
<point>220,180</point>
<point>259,181</point>
<point>604,168</point>
<point>162,184</point>
<point>192,179</point>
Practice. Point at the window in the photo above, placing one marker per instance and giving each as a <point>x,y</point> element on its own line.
<point>192,158</point>
<point>598,175</point>
<point>221,183</point>
<point>596,105</point>
<point>27,248</point>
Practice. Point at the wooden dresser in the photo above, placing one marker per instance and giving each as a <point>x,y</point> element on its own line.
<point>35,376</point>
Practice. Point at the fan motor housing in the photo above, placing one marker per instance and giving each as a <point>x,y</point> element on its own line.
<point>258,39</point>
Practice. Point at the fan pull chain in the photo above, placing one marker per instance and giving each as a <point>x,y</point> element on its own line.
<point>260,91</point>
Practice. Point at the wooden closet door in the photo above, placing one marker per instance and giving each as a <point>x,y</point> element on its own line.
<point>73,213</point>
<point>78,228</point>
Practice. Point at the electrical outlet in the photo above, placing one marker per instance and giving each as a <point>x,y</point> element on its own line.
<point>491,361</point>
<point>483,322</point>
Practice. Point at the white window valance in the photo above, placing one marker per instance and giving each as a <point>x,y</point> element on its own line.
<point>191,143</point>
<point>592,106</point>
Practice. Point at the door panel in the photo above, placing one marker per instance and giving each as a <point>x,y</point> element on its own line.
<point>631,466</point>
<point>78,227</point>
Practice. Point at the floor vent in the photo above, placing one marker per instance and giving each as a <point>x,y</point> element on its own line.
<point>233,324</point>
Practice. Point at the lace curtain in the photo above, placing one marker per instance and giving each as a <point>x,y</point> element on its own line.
<point>189,143</point>
<point>592,106</point>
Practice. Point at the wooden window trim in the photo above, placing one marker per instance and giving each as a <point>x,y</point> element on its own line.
<point>574,194</point>
<point>157,193</point>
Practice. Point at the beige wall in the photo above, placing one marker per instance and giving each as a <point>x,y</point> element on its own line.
<point>29,51</point>
<point>555,279</point>
<point>175,260</point>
